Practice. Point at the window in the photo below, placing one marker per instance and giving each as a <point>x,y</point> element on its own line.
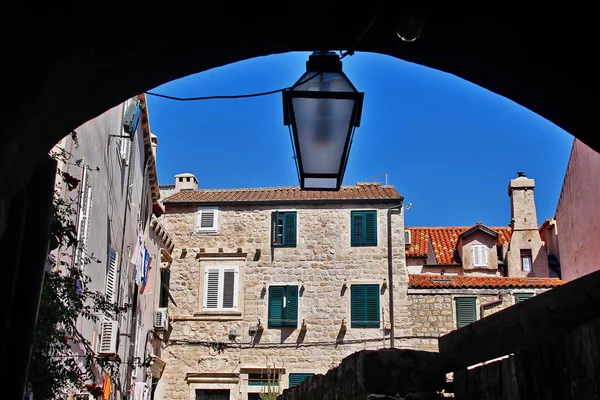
<point>480,255</point>
<point>296,379</point>
<point>283,306</point>
<point>111,278</point>
<point>526,260</point>
<point>407,237</point>
<point>519,297</point>
<point>363,228</point>
<point>207,220</point>
<point>220,288</point>
<point>263,379</point>
<point>466,311</point>
<point>364,306</point>
<point>220,394</point>
<point>83,223</point>
<point>283,229</point>
<point>165,279</point>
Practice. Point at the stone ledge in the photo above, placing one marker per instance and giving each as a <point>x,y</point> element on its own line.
<point>237,316</point>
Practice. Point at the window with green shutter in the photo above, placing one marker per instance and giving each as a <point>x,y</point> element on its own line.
<point>363,228</point>
<point>466,311</point>
<point>283,228</point>
<point>296,379</point>
<point>283,306</point>
<point>364,306</point>
<point>519,297</point>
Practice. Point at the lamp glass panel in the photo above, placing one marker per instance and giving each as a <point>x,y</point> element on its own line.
<point>322,126</point>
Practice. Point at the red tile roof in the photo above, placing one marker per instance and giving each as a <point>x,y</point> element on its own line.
<point>423,281</point>
<point>443,240</point>
<point>372,192</point>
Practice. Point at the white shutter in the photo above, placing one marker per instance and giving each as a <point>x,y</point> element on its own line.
<point>83,225</point>
<point>221,288</point>
<point>111,276</point>
<point>407,237</point>
<point>136,350</point>
<point>207,220</point>
<point>211,289</point>
<point>229,289</point>
<point>484,256</point>
<point>475,252</point>
<point>480,255</point>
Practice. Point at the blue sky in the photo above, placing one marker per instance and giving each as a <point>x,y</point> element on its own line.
<point>448,146</point>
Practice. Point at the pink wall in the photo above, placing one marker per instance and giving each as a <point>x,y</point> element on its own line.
<point>578,214</point>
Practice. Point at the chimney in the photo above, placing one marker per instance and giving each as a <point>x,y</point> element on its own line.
<point>526,255</point>
<point>522,205</point>
<point>185,182</point>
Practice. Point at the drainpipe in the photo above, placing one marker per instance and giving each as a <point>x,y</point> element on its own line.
<point>391,271</point>
<point>490,304</point>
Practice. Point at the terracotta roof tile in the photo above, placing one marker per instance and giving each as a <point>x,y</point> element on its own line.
<point>422,281</point>
<point>443,240</point>
<point>362,191</point>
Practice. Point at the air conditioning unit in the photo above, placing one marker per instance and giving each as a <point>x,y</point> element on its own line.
<point>161,319</point>
<point>108,338</point>
<point>132,116</point>
<point>407,237</point>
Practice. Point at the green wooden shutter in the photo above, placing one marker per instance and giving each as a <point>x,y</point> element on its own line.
<point>357,306</point>
<point>370,235</point>
<point>296,379</point>
<point>372,306</point>
<point>276,294</point>
<point>519,297</point>
<point>274,218</point>
<point>289,229</point>
<point>291,307</point>
<point>466,311</point>
<point>357,228</point>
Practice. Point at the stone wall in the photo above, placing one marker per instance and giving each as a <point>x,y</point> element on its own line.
<point>433,313</point>
<point>323,265</point>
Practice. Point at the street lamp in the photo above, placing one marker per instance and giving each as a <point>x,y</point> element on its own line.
<point>322,108</point>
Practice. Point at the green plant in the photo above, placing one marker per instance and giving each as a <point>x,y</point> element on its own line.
<point>272,384</point>
<point>63,360</point>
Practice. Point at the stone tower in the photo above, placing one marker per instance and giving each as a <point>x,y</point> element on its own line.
<point>526,254</point>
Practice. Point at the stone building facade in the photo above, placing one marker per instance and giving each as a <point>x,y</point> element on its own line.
<point>459,274</point>
<point>279,280</point>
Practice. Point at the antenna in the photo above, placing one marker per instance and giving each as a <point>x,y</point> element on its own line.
<point>377,176</point>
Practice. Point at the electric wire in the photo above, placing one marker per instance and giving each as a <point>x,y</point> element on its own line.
<point>349,52</point>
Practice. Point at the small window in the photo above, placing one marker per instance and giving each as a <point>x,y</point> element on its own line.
<point>283,306</point>
<point>480,255</point>
<point>207,220</point>
<point>407,237</point>
<point>187,179</point>
<point>296,379</point>
<point>212,394</point>
<point>363,228</point>
<point>283,229</point>
<point>364,306</point>
<point>263,379</point>
<point>519,297</point>
<point>526,260</point>
<point>220,289</point>
<point>165,279</point>
<point>466,311</point>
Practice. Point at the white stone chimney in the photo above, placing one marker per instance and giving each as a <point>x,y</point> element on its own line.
<point>185,182</point>
<point>526,254</point>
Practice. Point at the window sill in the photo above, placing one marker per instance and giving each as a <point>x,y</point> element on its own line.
<point>212,316</point>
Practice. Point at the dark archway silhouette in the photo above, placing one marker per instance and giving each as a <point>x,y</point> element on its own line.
<point>68,66</point>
